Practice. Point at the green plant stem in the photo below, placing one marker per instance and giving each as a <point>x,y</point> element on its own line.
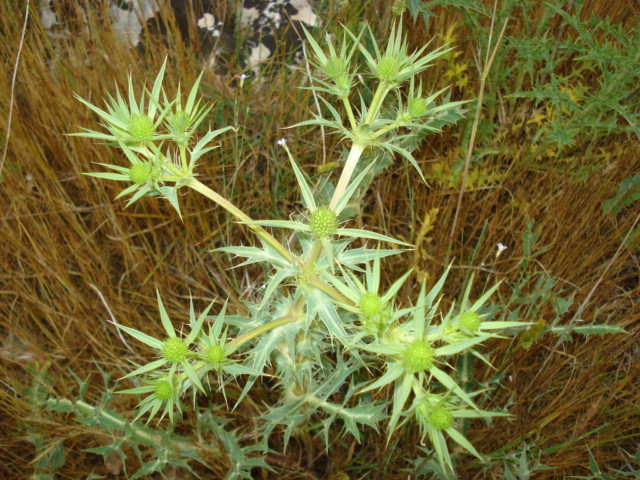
<point>350,115</point>
<point>383,130</point>
<point>347,172</point>
<point>324,288</point>
<point>108,419</point>
<point>311,399</point>
<point>358,146</point>
<point>418,389</point>
<point>179,174</point>
<point>295,315</point>
<point>240,215</point>
<point>264,235</point>
<point>376,102</point>
<point>183,157</point>
<point>313,257</point>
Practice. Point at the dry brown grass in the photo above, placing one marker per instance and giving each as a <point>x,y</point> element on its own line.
<point>61,233</point>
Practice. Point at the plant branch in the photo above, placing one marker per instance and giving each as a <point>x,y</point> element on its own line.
<point>240,215</point>
<point>347,172</point>
<point>291,317</point>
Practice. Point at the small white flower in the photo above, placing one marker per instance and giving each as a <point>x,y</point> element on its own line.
<point>282,142</point>
<point>242,77</point>
<point>501,247</point>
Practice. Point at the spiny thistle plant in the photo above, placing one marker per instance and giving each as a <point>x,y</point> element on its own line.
<point>323,328</point>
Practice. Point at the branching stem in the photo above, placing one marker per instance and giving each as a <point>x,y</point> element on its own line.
<point>293,316</point>
<point>240,215</point>
<point>376,102</point>
<point>347,172</point>
<point>350,115</point>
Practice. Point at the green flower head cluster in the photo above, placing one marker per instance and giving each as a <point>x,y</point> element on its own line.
<point>164,390</point>
<point>469,321</point>
<point>418,356</point>
<point>141,128</point>
<point>140,172</point>
<point>323,222</point>
<point>215,355</point>
<point>371,304</point>
<point>174,350</point>
<point>431,412</point>
<point>387,68</point>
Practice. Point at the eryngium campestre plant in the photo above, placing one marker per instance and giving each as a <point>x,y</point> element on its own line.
<point>322,328</point>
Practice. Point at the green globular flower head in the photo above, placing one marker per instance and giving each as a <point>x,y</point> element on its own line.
<point>323,222</point>
<point>140,172</point>
<point>437,416</point>
<point>370,304</point>
<point>163,390</point>
<point>417,107</point>
<point>441,418</point>
<point>387,68</point>
<point>215,355</point>
<point>418,356</point>
<point>141,128</point>
<point>174,350</point>
<point>469,321</point>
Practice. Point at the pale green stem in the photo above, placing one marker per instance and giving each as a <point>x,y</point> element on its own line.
<point>352,118</point>
<point>107,418</point>
<point>292,317</point>
<point>183,156</point>
<point>358,148</point>
<point>383,130</point>
<point>311,399</point>
<point>376,102</point>
<point>167,163</point>
<point>324,288</point>
<point>170,178</point>
<point>264,235</point>
<point>240,215</point>
<point>313,257</point>
<point>347,172</point>
<point>418,390</point>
